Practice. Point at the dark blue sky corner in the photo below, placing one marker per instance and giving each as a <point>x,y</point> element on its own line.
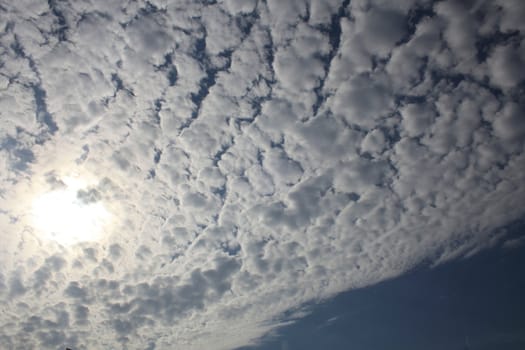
<point>473,301</point>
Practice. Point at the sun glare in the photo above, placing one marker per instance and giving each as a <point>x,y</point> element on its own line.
<point>62,216</point>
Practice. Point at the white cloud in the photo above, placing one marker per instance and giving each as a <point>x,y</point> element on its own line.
<point>380,30</point>
<point>505,66</point>
<point>417,119</point>
<point>362,102</point>
<point>254,156</point>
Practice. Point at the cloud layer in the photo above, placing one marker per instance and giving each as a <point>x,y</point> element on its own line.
<point>255,156</point>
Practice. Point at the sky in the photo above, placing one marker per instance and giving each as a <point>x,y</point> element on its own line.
<point>465,304</point>
<point>202,174</point>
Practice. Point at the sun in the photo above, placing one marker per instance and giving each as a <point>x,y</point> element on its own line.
<point>65,216</point>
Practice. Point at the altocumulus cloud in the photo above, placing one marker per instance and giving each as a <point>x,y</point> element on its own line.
<point>254,156</point>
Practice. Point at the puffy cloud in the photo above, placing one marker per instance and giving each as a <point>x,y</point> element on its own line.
<point>380,29</point>
<point>505,66</point>
<point>362,102</point>
<point>510,122</point>
<point>252,156</point>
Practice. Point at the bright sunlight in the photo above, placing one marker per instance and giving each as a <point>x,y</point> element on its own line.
<point>63,216</point>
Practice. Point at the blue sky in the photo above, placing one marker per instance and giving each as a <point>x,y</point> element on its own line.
<point>189,174</point>
<point>473,303</point>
